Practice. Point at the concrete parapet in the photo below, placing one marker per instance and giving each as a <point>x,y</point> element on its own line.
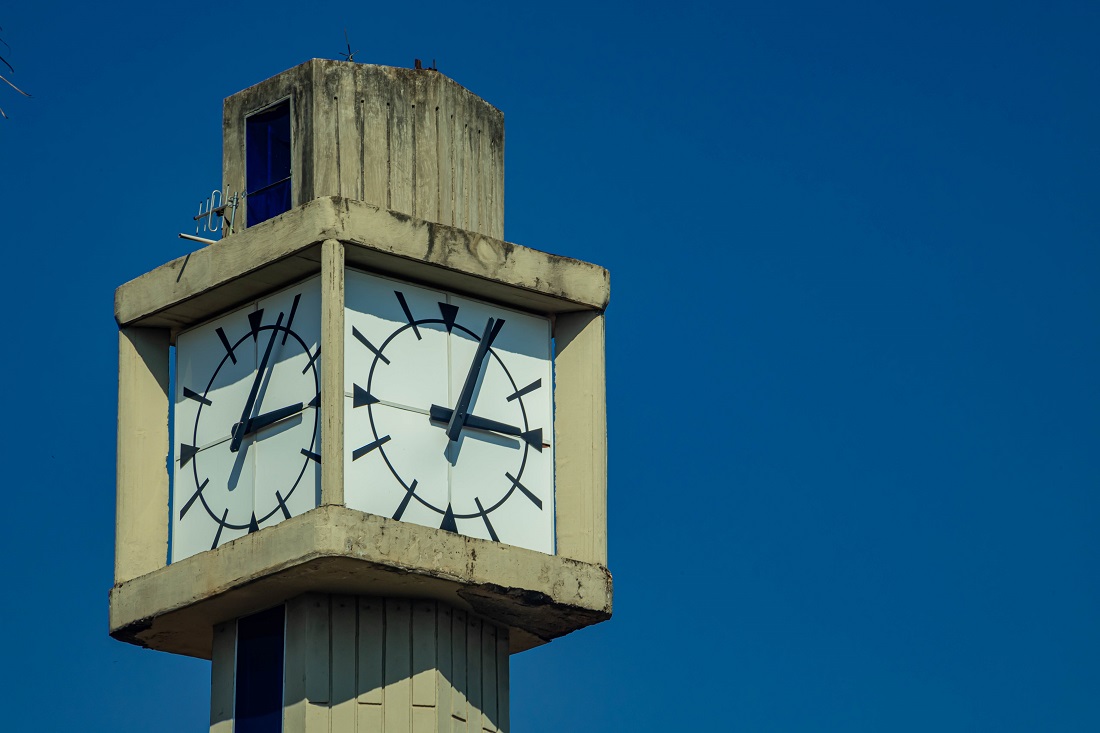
<point>332,549</point>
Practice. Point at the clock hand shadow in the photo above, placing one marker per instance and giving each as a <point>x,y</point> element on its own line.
<point>266,382</point>
<point>238,465</point>
<point>238,461</point>
<point>268,432</point>
<point>454,447</point>
<point>477,387</point>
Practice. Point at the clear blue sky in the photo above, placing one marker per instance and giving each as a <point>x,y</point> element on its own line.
<point>854,340</point>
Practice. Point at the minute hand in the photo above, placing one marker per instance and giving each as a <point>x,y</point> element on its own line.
<point>458,417</point>
<point>240,428</point>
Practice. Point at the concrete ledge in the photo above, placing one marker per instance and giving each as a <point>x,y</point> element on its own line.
<point>333,549</point>
<point>286,249</point>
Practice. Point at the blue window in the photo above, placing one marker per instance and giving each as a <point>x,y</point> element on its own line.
<point>267,168</point>
<point>259,684</point>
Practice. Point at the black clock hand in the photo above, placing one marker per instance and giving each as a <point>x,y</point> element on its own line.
<point>458,416</point>
<point>443,414</point>
<point>262,421</point>
<point>531,437</point>
<point>239,428</point>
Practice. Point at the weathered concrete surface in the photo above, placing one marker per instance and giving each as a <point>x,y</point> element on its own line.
<point>287,249</point>
<point>332,373</point>
<point>141,482</point>
<point>408,140</point>
<point>333,549</point>
<point>580,432</point>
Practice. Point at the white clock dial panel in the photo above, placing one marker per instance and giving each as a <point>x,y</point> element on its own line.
<point>412,361</point>
<point>246,428</point>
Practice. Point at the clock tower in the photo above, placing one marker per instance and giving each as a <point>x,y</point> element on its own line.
<point>361,438</point>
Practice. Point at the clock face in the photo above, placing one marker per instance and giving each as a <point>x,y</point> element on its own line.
<point>448,421</point>
<point>246,427</point>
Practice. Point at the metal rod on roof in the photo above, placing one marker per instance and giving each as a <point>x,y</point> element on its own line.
<point>193,238</point>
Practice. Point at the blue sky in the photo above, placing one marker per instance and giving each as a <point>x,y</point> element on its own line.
<point>853,343</point>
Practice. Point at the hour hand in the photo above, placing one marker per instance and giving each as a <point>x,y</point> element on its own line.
<point>531,437</point>
<point>262,421</point>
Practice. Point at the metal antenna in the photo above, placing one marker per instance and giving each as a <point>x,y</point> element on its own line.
<point>350,55</point>
<point>217,213</point>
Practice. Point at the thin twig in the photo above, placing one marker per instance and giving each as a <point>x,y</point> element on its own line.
<point>14,87</point>
<point>5,79</point>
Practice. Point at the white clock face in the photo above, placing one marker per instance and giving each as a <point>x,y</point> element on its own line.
<point>246,428</point>
<point>448,414</point>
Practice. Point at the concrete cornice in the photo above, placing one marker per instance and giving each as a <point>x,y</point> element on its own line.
<point>333,549</point>
<point>286,249</point>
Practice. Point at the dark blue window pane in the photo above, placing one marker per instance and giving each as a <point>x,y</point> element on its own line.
<point>267,142</point>
<point>259,683</point>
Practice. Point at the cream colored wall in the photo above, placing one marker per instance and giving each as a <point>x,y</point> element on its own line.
<point>332,372</point>
<point>141,480</point>
<point>580,430</point>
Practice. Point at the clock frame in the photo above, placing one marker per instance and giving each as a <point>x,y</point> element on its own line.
<point>409,353</point>
<point>246,419</point>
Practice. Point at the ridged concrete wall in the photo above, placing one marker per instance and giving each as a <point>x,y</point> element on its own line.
<point>374,665</point>
<point>407,140</point>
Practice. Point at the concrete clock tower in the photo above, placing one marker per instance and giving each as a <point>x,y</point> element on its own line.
<point>361,438</point>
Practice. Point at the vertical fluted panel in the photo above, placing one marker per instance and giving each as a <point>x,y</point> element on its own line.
<point>413,142</point>
<point>359,665</point>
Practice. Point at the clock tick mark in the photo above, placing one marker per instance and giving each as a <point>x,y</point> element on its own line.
<point>193,395</point>
<point>449,524</point>
<point>310,455</point>
<point>405,502</point>
<point>450,313</point>
<point>282,503</point>
<point>360,452</point>
<point>526,390</point>
<point>187,452</point>
<point>361,397</point>
<point>533,438</point>
<point>312,359</point>
<point>408,313</point>
<point>253,525</point>
<point>221,526</point>
<point>194,496</point>
<point>363,340</point>
<point>256,318</point>
<point>526,491</point>
<point>225,342</point>
<point>485,518</point>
